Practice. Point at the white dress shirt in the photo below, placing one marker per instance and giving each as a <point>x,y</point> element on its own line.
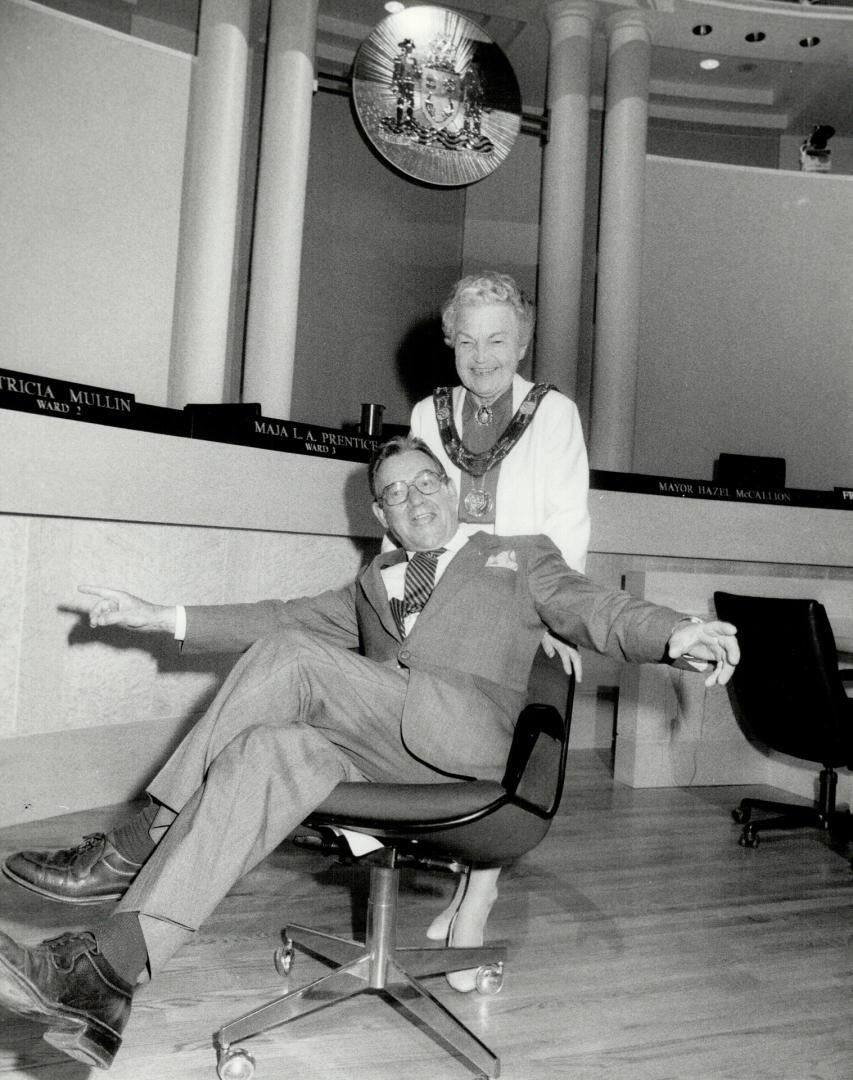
<point>394,577</point>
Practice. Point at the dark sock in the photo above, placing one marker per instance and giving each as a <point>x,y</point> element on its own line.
<point>122,944</point>
<point>131,839</point>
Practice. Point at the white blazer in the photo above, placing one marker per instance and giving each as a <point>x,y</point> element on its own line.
<point>543,484</point>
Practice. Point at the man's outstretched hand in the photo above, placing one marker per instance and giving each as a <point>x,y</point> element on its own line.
<point>714,641</point>
<point>116,608</point>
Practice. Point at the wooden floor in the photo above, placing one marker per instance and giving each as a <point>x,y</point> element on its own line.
<point>645,945</point>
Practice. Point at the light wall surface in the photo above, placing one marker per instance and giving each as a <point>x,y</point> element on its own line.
<point>87,716</point>
<point>93,125</point>
<point>379,255</point>
<point>502,219</point>
<point>746,321</point>
<point>746,348</point>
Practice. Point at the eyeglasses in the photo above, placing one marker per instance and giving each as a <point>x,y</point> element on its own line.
<point>426,482</point>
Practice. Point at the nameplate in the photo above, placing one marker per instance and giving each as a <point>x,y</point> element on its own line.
<point>244,425</point>
<point>90,404</point>
<point>247,427</point>
<point>240,425</point>
<point>647,484</point>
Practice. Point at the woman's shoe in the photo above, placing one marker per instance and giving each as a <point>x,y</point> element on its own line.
<point>439,928</point>
<point>468,926</point>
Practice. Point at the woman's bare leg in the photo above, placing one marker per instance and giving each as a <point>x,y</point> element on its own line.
<point>463,921</point>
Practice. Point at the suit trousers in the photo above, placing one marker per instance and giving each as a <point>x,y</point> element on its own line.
<point>295,717</point>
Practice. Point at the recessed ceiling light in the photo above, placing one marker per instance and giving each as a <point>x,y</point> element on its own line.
<point>393,6</point>
<point>756,35</point>
<point>810,42</point>
<point>702,29</point>
<point>709,64</point>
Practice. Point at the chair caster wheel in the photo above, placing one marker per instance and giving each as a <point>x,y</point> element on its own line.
<point>490,978</point>
<point>748,838</point>
<point>740,815</point>
<point>234,1063</point>
<point>283,958</point>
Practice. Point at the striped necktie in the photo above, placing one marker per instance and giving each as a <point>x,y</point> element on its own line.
<point>419,583</point>
<point>420,579</point>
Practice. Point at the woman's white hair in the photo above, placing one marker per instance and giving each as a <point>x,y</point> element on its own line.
<point>489,287</point>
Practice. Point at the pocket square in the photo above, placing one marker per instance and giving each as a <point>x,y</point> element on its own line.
<point>505,560</point>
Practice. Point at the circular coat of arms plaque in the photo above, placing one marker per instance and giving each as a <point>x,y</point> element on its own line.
<point>436,97</point>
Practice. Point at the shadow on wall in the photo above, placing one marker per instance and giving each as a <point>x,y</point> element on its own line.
<point>424,361</point>
<point>357,500</point>
<point>171,727</point>
<point>168,656</point>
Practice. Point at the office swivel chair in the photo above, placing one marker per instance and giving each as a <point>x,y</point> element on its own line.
<point>788,694</point>
<point>453,826</point>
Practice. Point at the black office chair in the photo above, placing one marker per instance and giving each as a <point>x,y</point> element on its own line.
<point>453,826</point>
<point>788,694</point>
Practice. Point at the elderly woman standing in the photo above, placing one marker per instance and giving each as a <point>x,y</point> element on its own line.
<point>516,453</point>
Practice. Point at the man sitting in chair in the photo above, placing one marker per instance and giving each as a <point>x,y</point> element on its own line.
<point>366,683</point>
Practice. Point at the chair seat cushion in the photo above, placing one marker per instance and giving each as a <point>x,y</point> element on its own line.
<point>381,808</point>
<point>474,821</point>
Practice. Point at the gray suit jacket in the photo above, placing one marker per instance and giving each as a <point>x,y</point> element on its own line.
<point>470,652</point>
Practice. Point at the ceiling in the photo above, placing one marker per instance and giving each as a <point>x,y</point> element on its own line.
<point>773,85</point>
<point>769,83</point>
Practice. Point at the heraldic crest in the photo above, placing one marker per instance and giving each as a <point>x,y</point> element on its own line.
<point>435,96</point>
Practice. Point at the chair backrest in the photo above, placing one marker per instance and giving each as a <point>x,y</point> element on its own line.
<point>533,779</point>
<point>536,765</point>
<point>475,821</point>
<point>786,691</point>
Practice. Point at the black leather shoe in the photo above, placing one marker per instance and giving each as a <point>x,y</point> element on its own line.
<point>66,984</point>
<point>90,873</point>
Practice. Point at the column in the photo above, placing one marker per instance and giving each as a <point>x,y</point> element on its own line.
<point>563,199</point>
<point>620,243</point>
<point>280,207</point>
<point>199,365</point>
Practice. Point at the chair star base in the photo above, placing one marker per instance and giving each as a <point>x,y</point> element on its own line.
<point>475,823</point>
<point>377,965</point>
<point>821,815</point>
